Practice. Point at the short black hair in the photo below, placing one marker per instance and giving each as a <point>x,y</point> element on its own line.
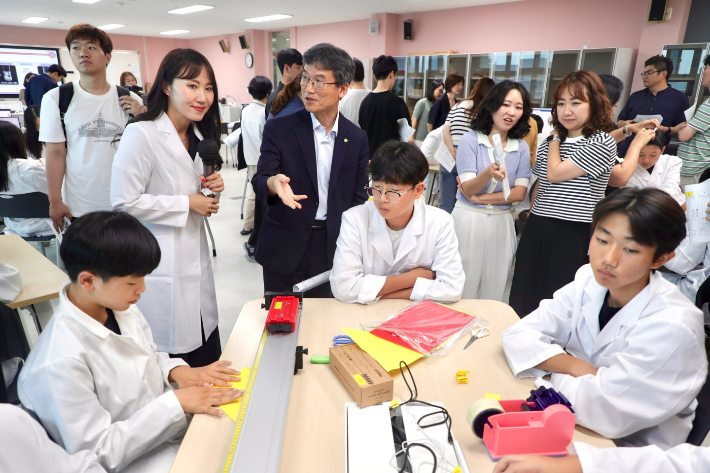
<point>706,62</point>
<point>396,162</point>
<point>661,63</point>
<point>483,121</point>
<point>614,86</point>
<point>109,244</point>
<point>655,218</point>
<point>658,140</point>
<point>433,85</point>
<point>540,123</point>
<point>383,65</point>
<point>288,56</point>
<point>359,75</point>
<point>453,79</point>
<point>331,58</point>
<point>57,68</point>
<point>260,87</point>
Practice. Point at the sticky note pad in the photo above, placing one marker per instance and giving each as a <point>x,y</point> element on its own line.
<point>232,409</point>
<point>387,354</point>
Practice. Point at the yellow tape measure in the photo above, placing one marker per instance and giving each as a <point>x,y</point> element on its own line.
<point>245,403</point>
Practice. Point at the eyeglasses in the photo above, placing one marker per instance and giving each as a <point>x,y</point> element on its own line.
<point>318,84</point>
<point>392,196</point>
<point>648,73</point>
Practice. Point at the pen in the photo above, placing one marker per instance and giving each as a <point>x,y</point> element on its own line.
<point>460,458</point>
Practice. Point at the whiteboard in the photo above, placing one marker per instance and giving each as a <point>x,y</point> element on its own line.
<point>121,61</point>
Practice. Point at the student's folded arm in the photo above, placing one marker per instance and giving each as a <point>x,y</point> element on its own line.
<point>687,257</point>
<point>63,397</point>
<point>659,372</point>
<point>541,335</point>
<point>348,280</point>
<point>558,170</point>
<point>132,168</point>
<point>686,133</point>
<point>450,278</point>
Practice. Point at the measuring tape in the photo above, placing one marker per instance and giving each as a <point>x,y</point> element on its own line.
<point>245,402</point>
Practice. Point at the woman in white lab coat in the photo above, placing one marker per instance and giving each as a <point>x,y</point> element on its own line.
<point>156,178</point>
<point>404,249</point>
<point>19,175</point>
<point>636,379</point>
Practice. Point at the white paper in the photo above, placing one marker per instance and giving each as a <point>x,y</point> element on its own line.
<point>641,118</point>
<point>405,131</point>
<point>311,283</point>
<point>444,157</point>
<point>499,156</point>
<point>690,112</point>
<point>696,200</point>
<point>370,444</point>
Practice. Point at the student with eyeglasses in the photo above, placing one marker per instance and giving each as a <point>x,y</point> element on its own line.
<point>394,246</point>
<point>657,98</point>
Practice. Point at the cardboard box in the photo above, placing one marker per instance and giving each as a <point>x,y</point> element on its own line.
<point>366,381</point>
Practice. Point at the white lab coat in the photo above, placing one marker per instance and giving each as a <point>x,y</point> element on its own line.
<point>26,176</point>
<point>691,267</point>
<point>363,257</point>
<point>684,458</point>
<point>152,177</point>
<point>650,358</point>
<point>25,447</point>
<point>253,121</point>
<point>665,176</point>
<point>95,390</point>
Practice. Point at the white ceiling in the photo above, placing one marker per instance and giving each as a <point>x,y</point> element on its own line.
<point>150,17</point>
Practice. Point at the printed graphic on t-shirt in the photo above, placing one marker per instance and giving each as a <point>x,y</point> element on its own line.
<point>100,128</point>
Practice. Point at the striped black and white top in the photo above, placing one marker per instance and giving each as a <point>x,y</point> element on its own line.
<point>574,200</point>
<point>459,120</point>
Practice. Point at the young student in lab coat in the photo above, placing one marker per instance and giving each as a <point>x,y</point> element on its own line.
<point>394,246</point>
<point>95,379</point>
<point>622,343</point>
<point>156,178</point>
<point>20,175</point>
<point>482,216</point>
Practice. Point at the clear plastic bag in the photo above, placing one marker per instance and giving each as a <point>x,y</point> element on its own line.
<point>427,327</point>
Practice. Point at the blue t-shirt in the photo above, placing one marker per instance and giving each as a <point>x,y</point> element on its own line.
<point>37,87</point>
<point>475,154</point>
<point>669,103</point>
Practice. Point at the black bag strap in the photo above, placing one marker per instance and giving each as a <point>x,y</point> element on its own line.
<point>66,93</point>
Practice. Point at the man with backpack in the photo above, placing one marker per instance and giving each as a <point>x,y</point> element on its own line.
<point>78,122</point>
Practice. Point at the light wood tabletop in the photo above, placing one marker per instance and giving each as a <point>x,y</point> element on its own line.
<point>434,168</point>
<point>41,279</point>
<point>314,436</point>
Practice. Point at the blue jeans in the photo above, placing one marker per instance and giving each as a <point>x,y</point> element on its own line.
<point>447,194</point>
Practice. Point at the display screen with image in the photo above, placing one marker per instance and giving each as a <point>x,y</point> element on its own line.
<point>18,61</point>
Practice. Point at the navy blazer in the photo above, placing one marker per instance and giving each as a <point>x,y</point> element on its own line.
<point>288,148</point>
<point>37,87</point>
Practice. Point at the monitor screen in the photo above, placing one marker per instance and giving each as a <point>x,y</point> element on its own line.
<point>14,120</point>
<point>18,61</point>
<point>545,114</point>
<point>5,113</point>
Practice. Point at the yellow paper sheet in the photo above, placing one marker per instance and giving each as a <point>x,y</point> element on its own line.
<point>232,409</point>
<point>386,353</point>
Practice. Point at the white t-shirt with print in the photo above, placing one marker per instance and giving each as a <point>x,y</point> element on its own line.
<point>92,122</point>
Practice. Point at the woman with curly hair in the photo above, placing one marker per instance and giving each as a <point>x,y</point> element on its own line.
<point>573,166</point>
<point>289,100</point>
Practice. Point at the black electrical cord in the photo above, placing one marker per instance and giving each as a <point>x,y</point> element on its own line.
<point>406,453</point>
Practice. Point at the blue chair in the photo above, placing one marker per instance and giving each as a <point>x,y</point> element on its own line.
<point>32,205</point>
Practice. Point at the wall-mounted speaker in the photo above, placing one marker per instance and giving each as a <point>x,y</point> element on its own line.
<point>408,30</point>
<point>243,42</point>
<point>657,11</point>
<point>374,26</point>
<point>223,44</point>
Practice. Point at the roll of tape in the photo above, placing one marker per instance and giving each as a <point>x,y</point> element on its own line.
<point>479,412</point>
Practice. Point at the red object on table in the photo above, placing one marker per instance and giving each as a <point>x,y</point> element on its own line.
<point>282,314</point>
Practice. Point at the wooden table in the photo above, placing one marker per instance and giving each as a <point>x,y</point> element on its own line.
<point>314,437</point>
<point>41,279</point>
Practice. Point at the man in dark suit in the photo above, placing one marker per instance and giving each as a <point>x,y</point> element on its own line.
<point>43,83</point>
<point>312,168</point>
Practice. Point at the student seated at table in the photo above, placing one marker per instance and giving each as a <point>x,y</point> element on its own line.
<point>95,379</point>
<point>394,246</point>
<point>19,175</point>
<point>655,169</point>
<point>622,343</point>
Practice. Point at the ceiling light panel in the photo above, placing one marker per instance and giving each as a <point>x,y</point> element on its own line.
<point>112,26</point>
<point>190,9</point>
<point>174,32</point>
<point>84,1</point>
<point>261,19</point>
<point>35,19</point>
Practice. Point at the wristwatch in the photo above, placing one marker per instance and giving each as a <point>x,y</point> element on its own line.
<point>552,138</point>
<point>626,133</point>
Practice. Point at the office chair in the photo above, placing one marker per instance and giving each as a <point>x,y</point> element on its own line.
<point>701,423</point>
<point>32,205</point>
<point>13,346</point>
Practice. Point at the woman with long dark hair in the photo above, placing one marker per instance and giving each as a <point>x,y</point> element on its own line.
<point>482,218</point>
<point>35,148</point>
<point>156,177</point>
<point>573,166</point>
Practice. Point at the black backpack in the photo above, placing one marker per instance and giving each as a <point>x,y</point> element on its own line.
<point>66,93</point>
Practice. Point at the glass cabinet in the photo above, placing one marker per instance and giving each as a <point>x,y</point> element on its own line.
<point>505,66</point>
<point>600,61</point>
<point>687,68</point>
<point>479,66</point>
<point>435,69</point>
<point>459,63</point>
<point>400,76</point>
<point>561,64</point>
<point>533,74</point>
<point>415,80</point>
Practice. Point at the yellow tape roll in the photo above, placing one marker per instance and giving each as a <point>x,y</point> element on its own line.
<point>479,412</point>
